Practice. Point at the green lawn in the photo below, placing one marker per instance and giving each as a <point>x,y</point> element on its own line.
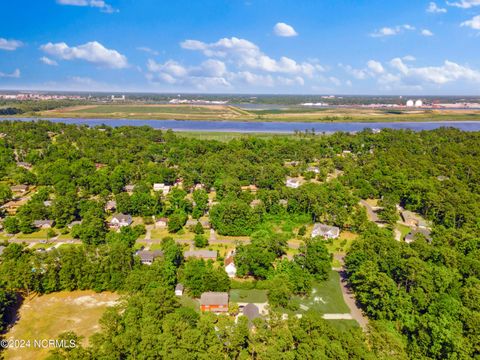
<point>142,109</point>
<point>343,325</point>
<point>342,243</point>
<point>326,297</point>
<point>227,136</point>
<point>41,234</point>
<point>248,296</point>
<point>43,246</point>
<point>63,237</point>
<point>190,302</point>
<point>404,230</point>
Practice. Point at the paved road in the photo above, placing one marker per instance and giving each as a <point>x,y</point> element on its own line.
<point>337,316</point>
<point>372,215</point>
<point>349,297</point>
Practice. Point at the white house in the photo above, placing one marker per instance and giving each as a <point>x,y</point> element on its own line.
<point>165,189</point>
<point>293,183</point>
<point>161,223</point>
<point>326,231</point>
<point>120,220</point>
<point>313,169</point>
<point>230,267</point>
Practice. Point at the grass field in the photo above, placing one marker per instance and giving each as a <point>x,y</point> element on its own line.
<point>190,302</point>
<point>144,111</point>
<point>326,297</point>
<point>343,325</point>
<point>248,296</point>
<point>227,136</point>
<point>41,234</point>
<point>404,230</point>
<point>342,243</point>
<point>225,112</point>
<point>47,316</point>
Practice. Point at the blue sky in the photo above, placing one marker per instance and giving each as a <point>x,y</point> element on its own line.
<point>242,46</point>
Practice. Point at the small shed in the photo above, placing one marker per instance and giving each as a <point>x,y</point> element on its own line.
<point>179,289</point>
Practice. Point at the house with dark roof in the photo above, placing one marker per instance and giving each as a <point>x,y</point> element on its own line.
<point>147,257</point>
<point>19,188</point>
<point>216,302</point>
<point>251,311</point>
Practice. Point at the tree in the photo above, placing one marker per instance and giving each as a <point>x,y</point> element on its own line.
<point>11,225</point>
<point>315,258</point>
<point>176,221</point>
<point>279,292</point>
<point>5,193</point>
<point>172,252</point>
<point>234,218</point>
<point>302,231</point>
<point>199,276</point>
<point>200,241</point>
<point>200,198</point>
<point>198,228</point>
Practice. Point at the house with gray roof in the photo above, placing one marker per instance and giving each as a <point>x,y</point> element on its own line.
<point>120,220</point>
<point>325,231</point>
<point>147,257</point>
<point>201,254</point>
<point>43,224</point>
<point>19,188</point>
<point>216,302</point>
<point>179,289</point>
<point>251,311</point>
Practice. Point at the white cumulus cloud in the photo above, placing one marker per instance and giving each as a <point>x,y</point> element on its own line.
<point>147,50</point>
<point>93,52</point>
<point>284,30</point>
<point>426,32</point>
<point>448,72</point>
<point>48,61</point>
<point>435,9</point>
<point>473,23</point>
<point>464,4</point>
<point>246,54</point>
<point>102,5</point>
<point>10,45</point>
<point>15,74</point>
<point>375,66</point>
<point>391,31</point>
<point>209,73</point>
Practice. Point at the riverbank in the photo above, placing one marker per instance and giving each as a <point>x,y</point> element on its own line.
<point>279,127</point>
<point>234,113</point>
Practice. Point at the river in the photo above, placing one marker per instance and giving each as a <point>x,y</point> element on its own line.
<point>263,127</point>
